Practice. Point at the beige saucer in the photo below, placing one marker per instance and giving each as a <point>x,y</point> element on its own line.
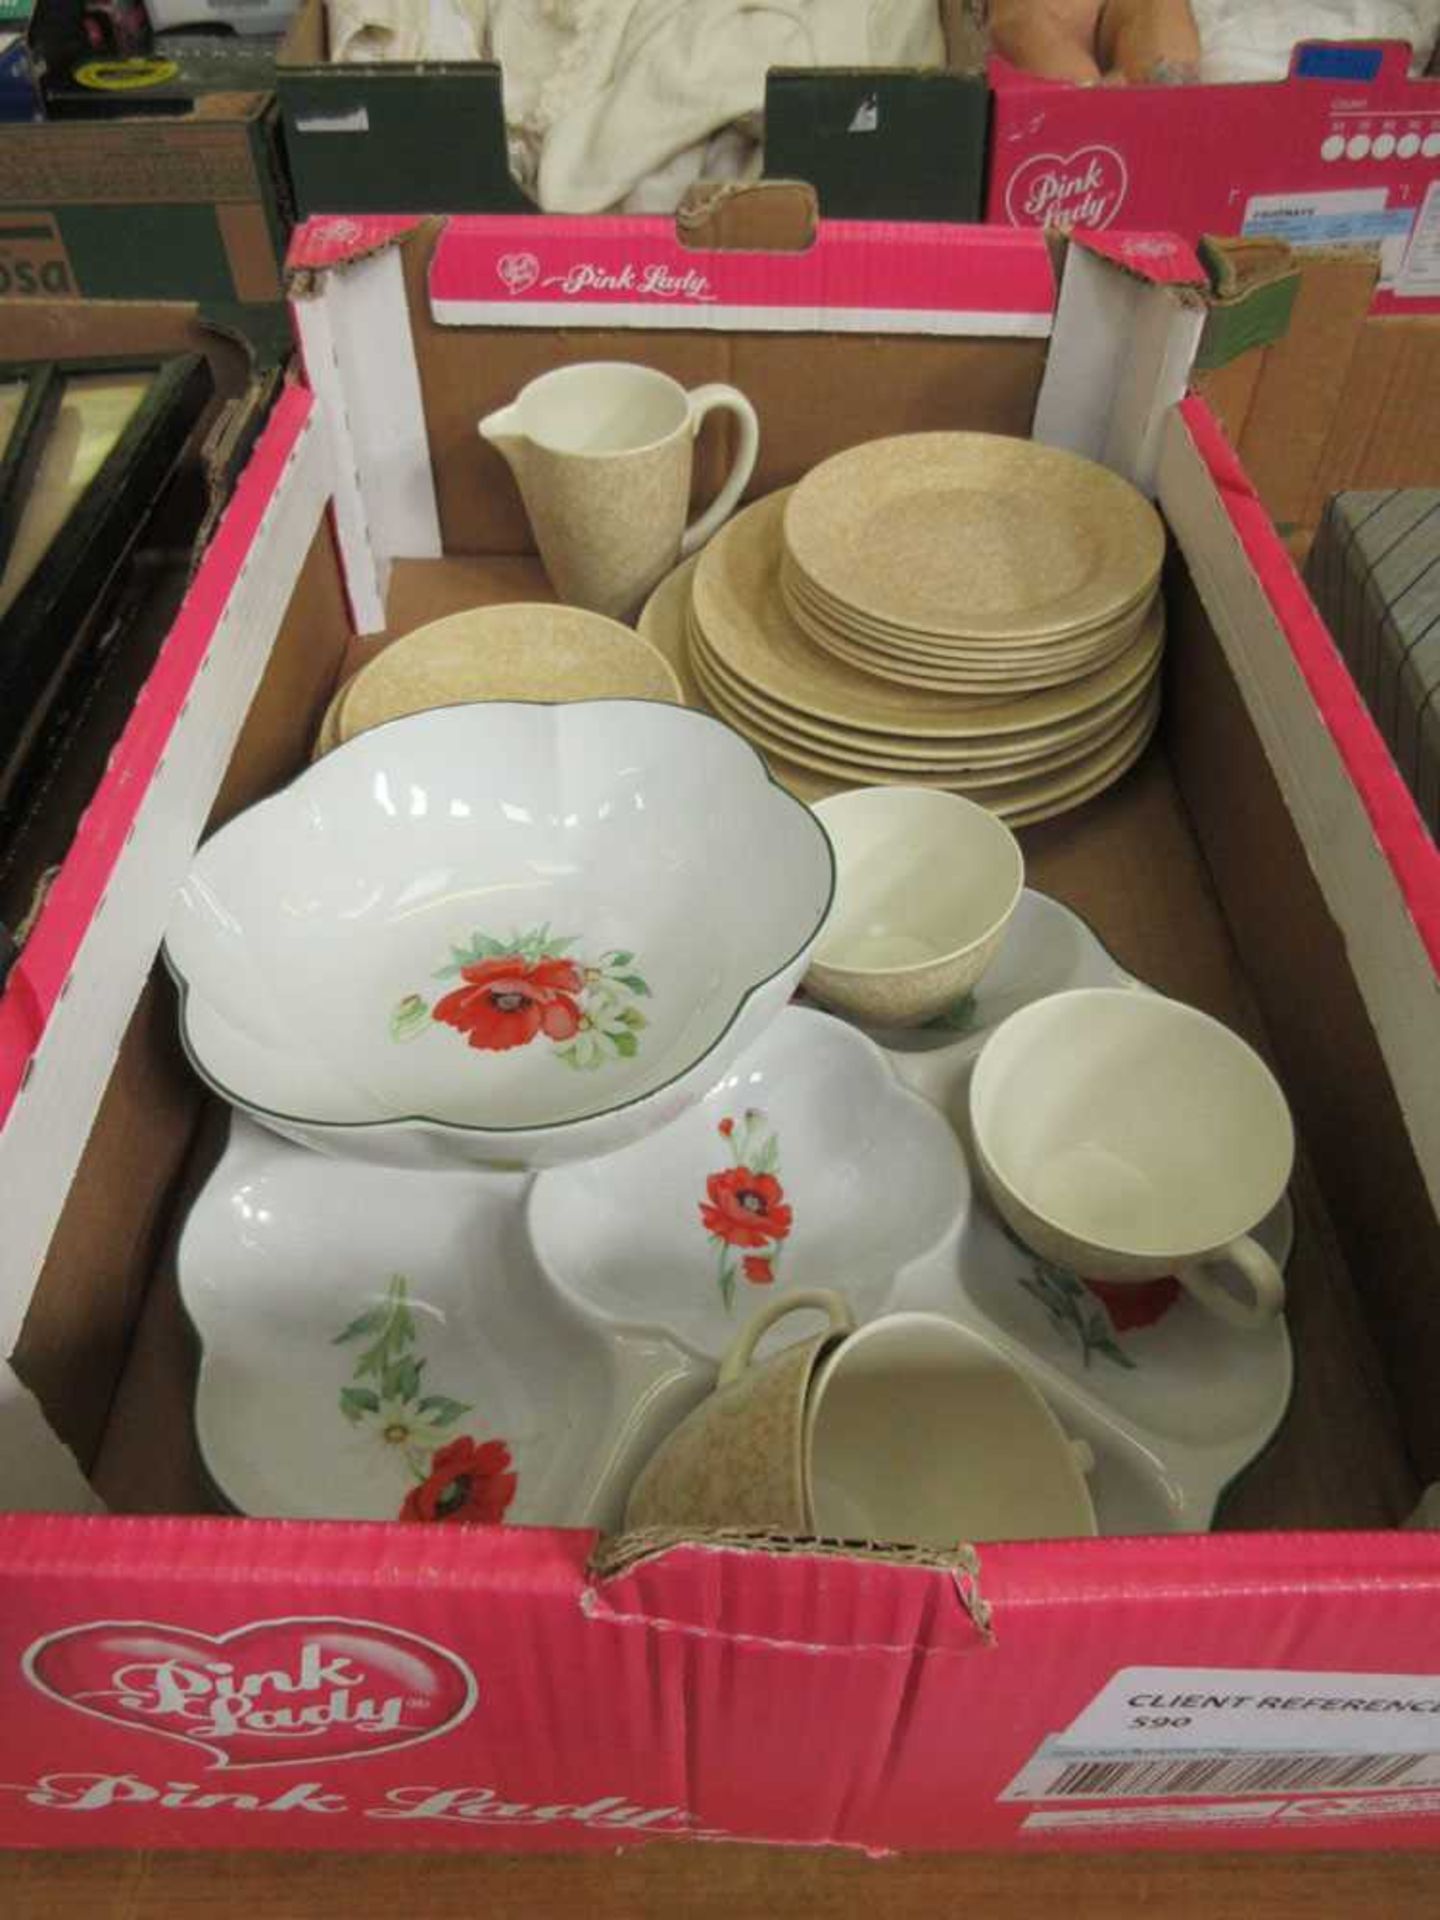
<point>664,622</point>
<point>972,534</point>
<point>993,656</point>
<point>514,651</point>
<point>969,682</point>
<point>981,782</point>
<point>745,623</point>
<point>327,737</point>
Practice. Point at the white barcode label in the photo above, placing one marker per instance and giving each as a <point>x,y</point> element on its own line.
<point>1220,1733</point>
<point>1214,1775</point>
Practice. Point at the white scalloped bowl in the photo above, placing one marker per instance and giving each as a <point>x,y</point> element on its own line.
<point>498,935</point>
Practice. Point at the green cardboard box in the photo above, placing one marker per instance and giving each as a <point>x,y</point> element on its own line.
<point>191,207</point>
<point>875,143</point>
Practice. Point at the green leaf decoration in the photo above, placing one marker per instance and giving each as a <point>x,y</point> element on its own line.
<point>767,1158</point>
<point>617,959</point>
<point>442,1409</point>
<point>370,1322</point>
<point>727,1287</point>
<point>1074,1310</point>
<point>401,1379</point>
<point>960,1017</point>
<point>625,1044</point>
<point>634,984</point>
<point>634,1019</point>
<point>410,1017</point>
<point>355,1402</point>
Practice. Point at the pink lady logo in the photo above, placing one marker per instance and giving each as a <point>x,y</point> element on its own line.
<point>517,271</point>
<point>276,1693</point>
<point>1086,189</point>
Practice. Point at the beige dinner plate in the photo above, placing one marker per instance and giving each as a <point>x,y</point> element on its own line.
<point>665,622</point>
<point>745,623</point>
<point>979,781</point>
<point>981,655</point>
<point>513,651</point>
<point>810,787</point>
<point>973,534</point>
<point>1020,801</point>
<point>966,681</point>
<point>849,746</point>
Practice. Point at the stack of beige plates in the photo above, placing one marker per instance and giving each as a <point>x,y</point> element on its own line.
<point>970,563</point>
<point>1028,741</point>
<point>516,651</point>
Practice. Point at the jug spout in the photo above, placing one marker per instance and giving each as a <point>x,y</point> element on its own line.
<point>503,429</point>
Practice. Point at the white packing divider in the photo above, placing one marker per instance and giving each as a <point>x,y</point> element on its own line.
<point>1383,943</point>
<point>1119,360</point>
<point>38,1472</point>
<point>359,356</point>
<point>45,1132</point>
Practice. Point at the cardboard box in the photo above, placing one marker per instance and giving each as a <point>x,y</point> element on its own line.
<point>878,143</point>
<point>1339,397</point>
<point>192,208</point>
<point>560,1692</point>
<point>1343,153</point>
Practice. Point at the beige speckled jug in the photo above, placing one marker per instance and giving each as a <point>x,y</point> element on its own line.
<point>602,453</point>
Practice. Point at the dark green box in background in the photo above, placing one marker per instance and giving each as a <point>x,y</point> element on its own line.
<point>193,207</point>
<point>875,143</point>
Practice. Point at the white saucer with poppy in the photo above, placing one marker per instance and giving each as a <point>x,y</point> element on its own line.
<point>379,1346</point>
<point>808,1165</point>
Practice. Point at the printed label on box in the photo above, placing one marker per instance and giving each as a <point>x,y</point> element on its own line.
<point>1361,217</point>
<point>33,260</point>
<point>1419,276</point>
<point>1163,1732</point>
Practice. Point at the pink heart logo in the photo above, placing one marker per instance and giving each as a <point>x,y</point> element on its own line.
<point>518,271</point>
<point>1083,189</point>
<point>278,1693</point>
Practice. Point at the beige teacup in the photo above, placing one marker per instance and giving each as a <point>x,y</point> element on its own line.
<point>912,1429</point>
<point>602,453</point>
<point>1129,1137</point>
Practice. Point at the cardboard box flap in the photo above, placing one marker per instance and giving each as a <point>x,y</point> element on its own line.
<point>618,1561</point>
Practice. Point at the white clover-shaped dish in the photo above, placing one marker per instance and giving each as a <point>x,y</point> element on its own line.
<point>808,1165</point>
<point>500,934</point>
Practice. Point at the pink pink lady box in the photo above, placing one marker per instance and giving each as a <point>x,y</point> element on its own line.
<point>1345,152</point>
<point>179,1681</point>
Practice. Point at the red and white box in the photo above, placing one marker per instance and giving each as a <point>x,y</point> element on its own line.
<point>1344,152</point>
<point>169,1678</point>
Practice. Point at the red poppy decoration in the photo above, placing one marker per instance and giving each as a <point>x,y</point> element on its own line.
<point>1135,1303</point>
<point>506,1001</point>
<point>468,1484</point>
<point>745,1209</point>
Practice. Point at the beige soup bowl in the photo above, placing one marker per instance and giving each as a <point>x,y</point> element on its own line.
<point>926,882</point>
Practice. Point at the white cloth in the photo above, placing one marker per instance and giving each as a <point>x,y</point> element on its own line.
<point>1253,39</point>
<point>623,104</point>
<point>363,30</point>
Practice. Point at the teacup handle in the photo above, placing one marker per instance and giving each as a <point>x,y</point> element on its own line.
<point>702,401</point>
<point>820,1299</point>
<point>1256,1268</point>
